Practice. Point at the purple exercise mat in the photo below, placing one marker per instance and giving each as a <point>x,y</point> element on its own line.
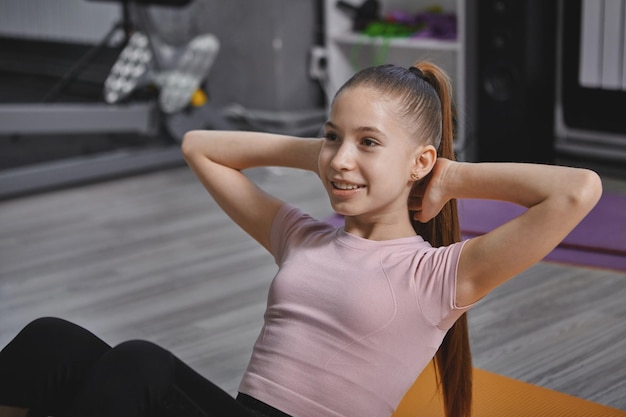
<point>599,239</point>
<point>603,230</point>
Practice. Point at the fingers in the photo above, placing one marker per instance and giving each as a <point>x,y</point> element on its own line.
<point>418,216</point>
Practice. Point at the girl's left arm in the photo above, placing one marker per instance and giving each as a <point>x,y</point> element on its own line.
<point>557,198</point>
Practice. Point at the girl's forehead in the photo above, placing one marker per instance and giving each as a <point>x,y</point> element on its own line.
<point>361,90</point>
<point>363,100</point>
<point>363,104</point>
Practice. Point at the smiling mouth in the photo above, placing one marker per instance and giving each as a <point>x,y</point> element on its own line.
<point>344,186</point>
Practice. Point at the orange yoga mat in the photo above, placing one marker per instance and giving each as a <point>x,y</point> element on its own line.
<point>499,396</point>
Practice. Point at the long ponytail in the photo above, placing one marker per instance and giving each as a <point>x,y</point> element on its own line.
<point>453,359</point>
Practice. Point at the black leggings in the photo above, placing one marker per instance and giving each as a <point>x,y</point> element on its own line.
<point>56,368</point>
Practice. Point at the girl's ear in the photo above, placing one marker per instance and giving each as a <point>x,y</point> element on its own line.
<point>424,161</point>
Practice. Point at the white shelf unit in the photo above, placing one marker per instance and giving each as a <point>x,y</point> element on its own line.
<point>347,52</point>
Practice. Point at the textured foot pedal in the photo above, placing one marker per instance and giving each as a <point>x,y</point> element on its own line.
<point>130,69</point>
<point>179,85</point>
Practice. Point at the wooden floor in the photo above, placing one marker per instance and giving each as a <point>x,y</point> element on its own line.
<point>152,257</point>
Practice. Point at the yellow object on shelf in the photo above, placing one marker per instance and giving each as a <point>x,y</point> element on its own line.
<point>199,98</point>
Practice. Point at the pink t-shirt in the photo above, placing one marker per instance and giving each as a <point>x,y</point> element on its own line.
<point>350,322</point>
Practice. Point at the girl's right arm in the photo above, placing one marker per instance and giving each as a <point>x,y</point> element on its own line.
<point>556,198</point>
<point>218,157</point>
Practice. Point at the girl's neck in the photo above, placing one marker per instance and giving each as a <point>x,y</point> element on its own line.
<point>379,230</point>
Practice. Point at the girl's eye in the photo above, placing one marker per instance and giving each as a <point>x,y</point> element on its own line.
<point>369,142</point>
<point>330,137</point>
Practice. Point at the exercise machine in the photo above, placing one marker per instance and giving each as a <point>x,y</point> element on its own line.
<point>175,75</point>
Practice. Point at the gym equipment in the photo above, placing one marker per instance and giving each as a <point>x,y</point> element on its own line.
<point>176,73</point>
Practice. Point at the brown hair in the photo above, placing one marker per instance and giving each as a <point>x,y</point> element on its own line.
<point>423,96</point>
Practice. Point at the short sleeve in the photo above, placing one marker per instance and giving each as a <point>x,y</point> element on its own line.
<point>436,279</point>
<point>293,228</point>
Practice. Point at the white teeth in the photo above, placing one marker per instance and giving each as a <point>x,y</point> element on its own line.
<point>345,186</point>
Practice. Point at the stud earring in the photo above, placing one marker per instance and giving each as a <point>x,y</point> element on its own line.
<point>414,176</point>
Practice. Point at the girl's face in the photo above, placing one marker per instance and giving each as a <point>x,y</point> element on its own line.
<point>367,157</point>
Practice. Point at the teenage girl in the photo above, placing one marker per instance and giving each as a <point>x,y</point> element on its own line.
<point>354,313</point>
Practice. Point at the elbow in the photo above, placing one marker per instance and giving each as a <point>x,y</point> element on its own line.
<point>189,144</point>
<point>593,185</point>
<point>589,189</point>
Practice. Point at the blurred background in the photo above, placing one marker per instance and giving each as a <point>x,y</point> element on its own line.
<point>534,80</point>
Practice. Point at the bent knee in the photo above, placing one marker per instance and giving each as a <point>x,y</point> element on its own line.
<point>141,353</point>
<point>46,327</point>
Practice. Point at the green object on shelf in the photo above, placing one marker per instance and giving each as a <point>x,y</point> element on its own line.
<point>388,30</point>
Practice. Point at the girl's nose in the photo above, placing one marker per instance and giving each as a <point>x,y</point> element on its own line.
<point>343,160</point>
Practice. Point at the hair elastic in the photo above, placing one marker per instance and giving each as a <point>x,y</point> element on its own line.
<point>418,72</point>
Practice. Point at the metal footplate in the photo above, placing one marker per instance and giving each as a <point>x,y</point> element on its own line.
<point>130,71</point>
<point>179,85</point>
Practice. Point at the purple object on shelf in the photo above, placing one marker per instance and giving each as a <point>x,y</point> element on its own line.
<point>436,25</point>
<point>427,25</point>
<point>398,16</point>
